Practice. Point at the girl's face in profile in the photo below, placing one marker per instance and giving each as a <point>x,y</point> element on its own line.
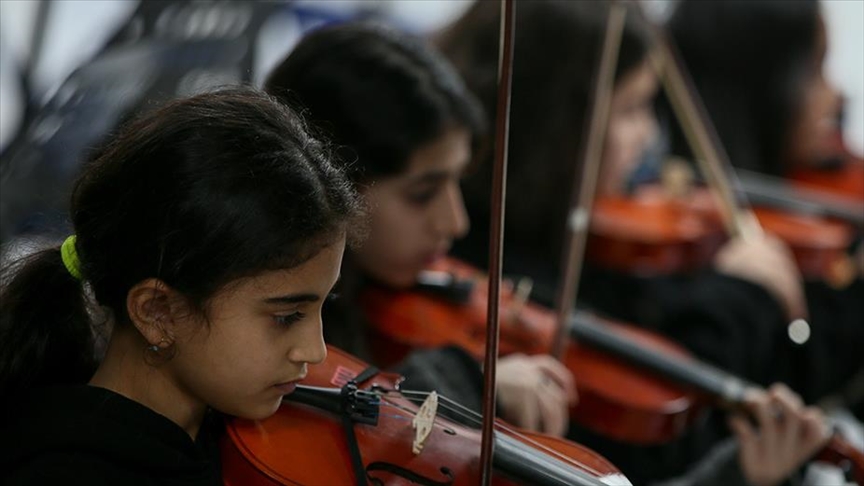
<point>416,215</point>
<point>260,334</point>
<point>812,135</point>
<point>632,126</point>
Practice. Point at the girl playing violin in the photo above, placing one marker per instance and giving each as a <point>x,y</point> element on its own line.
<point>776,113</point>
<point>208,234</point>
<point>407,130</point>
<point>784,112</point>
<point>556,44</point>
<point>751,281</point>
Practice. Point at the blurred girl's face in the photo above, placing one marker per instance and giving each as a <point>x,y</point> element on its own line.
<point>811,138</point>
<point>416,215</point>
<point>632,126</point>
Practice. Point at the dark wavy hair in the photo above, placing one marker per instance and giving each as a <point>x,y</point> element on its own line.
<point>380,93</point>
<point>198,193</point>
<point>556,50</point>
<point>748,60</point>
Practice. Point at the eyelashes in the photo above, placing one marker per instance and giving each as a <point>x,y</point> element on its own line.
<point>288,319</point>
<point>296,316</point>
<point>423,198</point>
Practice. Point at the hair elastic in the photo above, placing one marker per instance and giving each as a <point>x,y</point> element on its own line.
<point>70,257</point>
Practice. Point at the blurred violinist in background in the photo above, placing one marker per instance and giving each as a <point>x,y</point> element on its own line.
<point>406,128</point>
<point>782,116</point>
<point>732,313</point>
<point>759,67</point>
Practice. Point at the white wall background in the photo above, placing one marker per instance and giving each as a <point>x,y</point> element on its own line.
<point>78,28</point>
<point>845,62</point>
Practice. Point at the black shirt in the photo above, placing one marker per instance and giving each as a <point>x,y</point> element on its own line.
<point>88,435</point>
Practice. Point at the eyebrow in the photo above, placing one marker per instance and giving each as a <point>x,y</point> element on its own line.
<point>432,177</point>
<point>292,299</point>
<point>299,298</point>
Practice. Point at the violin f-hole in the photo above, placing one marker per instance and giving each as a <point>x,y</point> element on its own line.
<point>407,474</point>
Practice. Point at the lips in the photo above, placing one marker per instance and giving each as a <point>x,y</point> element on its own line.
<point>289,386</point>
<point>434,256</point>
<point>286,388</point>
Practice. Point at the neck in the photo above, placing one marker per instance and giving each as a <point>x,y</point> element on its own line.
<point>127,370</point>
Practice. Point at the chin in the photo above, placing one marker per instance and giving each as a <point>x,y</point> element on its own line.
<point>404,282</point>
<point>400,280</point>
<point>260,412</point>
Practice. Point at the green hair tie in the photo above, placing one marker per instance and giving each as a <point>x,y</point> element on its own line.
<point>70,257</point>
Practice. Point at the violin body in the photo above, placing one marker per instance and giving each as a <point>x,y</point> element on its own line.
<point>844,179</point>
<point>653,234</point>
<point>304,445</point>
<point>634,386</point>
<point>615,399</point>
<point>819,245</point>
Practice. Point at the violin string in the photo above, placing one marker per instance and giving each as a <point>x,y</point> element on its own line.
<point>410,412</point>
<point>504,427</point>
<point>472,418</point>
<point>461,410</point>
<point>469,414</point>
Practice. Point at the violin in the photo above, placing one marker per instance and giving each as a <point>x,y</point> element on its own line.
<point>615,399</point>
<point>721,388</point>
<point>651,233</point>
<point>845,179</point>
<point>634,386</point>
<point>688,225</point>
<point>842,175</point>
<point>347,423</point>
<point>775,192</point>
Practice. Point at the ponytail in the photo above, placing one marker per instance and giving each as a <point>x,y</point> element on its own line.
<point>46,335</point>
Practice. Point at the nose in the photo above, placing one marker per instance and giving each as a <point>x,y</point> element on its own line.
<point>834,100</point>
<point>310,346</point>
<point>451,218</point>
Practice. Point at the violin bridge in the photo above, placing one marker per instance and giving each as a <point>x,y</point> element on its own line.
<point>520,298</point>
<point>424,421</point>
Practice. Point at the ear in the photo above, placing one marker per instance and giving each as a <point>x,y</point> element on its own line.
<point>151,308</point>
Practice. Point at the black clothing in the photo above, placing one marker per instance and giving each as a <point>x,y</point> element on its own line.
<point>93,436</point>
<point>718,468</point>
<point>729,322</point>
<point>449,370</point>
<point>737,325</point>
<point>723,320</point>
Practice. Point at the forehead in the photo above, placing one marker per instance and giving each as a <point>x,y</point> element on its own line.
<point>315,275</point>
<point>449,152</point>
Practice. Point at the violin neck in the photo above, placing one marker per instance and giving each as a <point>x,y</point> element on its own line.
<point>694,374</point>
<point>773,192</point>
<point>528,465</point>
